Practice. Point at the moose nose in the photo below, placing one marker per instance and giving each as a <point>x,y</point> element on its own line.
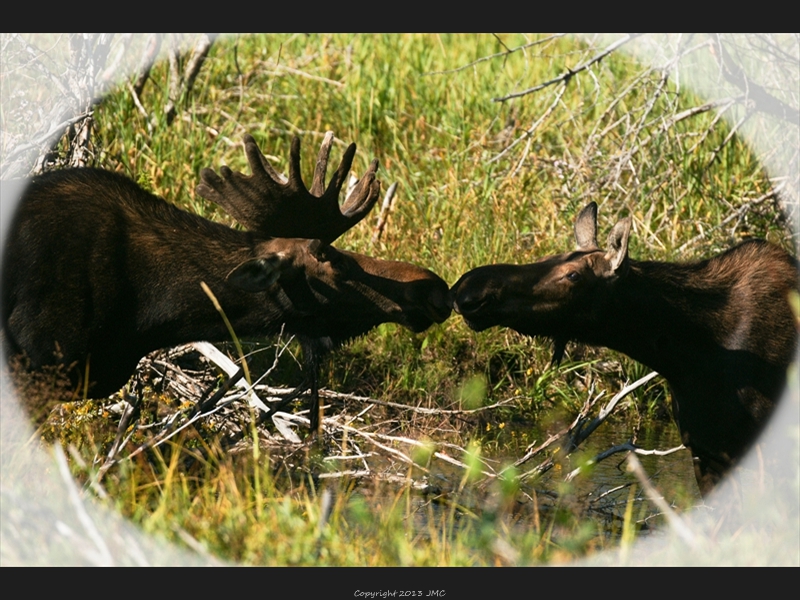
<point>439,304</point>
<point>465,300</point>
<point>431,295</point>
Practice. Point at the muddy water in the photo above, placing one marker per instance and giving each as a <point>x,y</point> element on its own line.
<point>671,474</point>
<point>600,493</point>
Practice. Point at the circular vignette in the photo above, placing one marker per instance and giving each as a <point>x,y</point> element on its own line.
<point>45,520</point>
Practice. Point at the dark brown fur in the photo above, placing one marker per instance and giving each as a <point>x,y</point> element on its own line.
<point>98,272</point>
<point>720,331</point>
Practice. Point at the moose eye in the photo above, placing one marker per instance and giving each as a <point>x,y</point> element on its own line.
<point>336,259</point>
<point>573,276</point>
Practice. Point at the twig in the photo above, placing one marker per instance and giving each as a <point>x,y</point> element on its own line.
<point>628,446</point>
<point>280,391</point>
<point>373,437</point>
<point>44,138</point>
<point>167,434</point>
<point>773,193</point>
<point>283,68</point>
<point>532,450</point>
<point>229,367</point>
<point>181,84</point>
<point>383,217</point>
<point>34,53</point>
<point>725,104</point>
<point>146,64</point>
<point>568,74</point>
<point>504,54</point>
<point>530,131</point>
<point>127,416</point>
<point>350,473</point>
<point>137,102</point>
<point>582,433</point>
<point>763,100</point>
<point>577,431</point>
<point>199,53</point>
<point>206,403</point>
<point>734,130</point>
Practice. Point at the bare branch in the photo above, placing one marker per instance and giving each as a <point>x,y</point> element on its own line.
<point>583,432</point>
<point>568,74</point>
<point>505,54</point>
<point>280,69</point>
<point>181,83</point>
<point>383,217</point>
<point>223,362</point>
<point>332,395</point>
<point>764,101</point>
<point>528,134</point>
<point>628,446</point>
<point>146,64</point>
<point>199,53</point>
<point>47,139</point>
<point>578,431</point>
<point>773,193</point>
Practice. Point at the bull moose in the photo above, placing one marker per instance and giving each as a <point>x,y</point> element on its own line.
<point>97,272</point>
<point>721,331</point>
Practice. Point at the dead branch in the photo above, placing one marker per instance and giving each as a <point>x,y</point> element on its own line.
<point>373,438</point>
<point>172,426</point>
<point>181,83</point>
<point>773,193</point>
<point>78,79</point>
<point>129,412</point>
<point>143,73</point>
<point>46,139</point>
<point>146,64</point>
<point>282,69</point>
<point>229,367</point>
<point>584,430</point>
<point>528,133</point>
<point>504,54</point>
<point>280,392</point>
<point>762,99</point>
<point>532,450</point>
<point>383,217</point>
<point>342,426</point>
<point>569,73</point>
<point>628,446</point>
<point>579,430</point>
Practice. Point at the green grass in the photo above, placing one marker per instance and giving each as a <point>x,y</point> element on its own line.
<point>457,207</point>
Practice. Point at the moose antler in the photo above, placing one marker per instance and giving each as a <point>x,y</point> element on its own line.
<point>266,203</point>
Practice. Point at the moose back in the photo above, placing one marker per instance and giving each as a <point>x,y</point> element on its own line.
<point>721,331</point>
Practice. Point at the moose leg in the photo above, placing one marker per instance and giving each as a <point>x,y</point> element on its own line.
<point>707,473</point>
<point>313,350</point>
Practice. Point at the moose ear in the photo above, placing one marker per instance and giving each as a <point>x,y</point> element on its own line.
<point>586,227</point>
<point>316,248</point>
<point>256,274</point>
<point>618,244</point>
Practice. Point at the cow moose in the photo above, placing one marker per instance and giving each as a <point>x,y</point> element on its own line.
<point>98,272</point>
<point>721,331</point>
